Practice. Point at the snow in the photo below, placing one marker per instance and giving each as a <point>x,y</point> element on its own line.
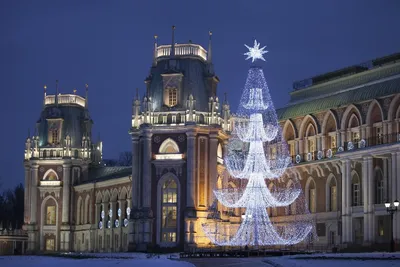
<point>334,260</point>
<point>105,260</point>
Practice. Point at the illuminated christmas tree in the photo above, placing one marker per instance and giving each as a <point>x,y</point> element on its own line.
<point>257,152</point>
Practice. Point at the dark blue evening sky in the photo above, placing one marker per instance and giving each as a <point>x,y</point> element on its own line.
<point>108,44</point>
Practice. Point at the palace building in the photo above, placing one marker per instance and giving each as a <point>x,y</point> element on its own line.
<point>342,129</point>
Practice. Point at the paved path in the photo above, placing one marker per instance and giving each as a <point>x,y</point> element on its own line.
<point>227,262</point>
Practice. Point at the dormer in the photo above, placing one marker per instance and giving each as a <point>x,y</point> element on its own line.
<point>172,89</point>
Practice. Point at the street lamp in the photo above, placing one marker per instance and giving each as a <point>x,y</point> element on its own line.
<point>391,208</point>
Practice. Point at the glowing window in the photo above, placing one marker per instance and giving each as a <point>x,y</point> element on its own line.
<point>51,215</point>
<point>172,97</point>
<point>50,244</point>
<point>54,136</point>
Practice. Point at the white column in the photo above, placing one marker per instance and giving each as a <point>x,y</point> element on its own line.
<point>342,138</point>
<point>371,197</point>
<point>66,193</point>
<point>146,169</point>
<point>34,191</point>
<point>365,191</point>
<point>346,203</point>
<point>212,167</point>
<point>396,219</point>
<point>191,168</point>
<point>27,196</point>
<point>135,170</point>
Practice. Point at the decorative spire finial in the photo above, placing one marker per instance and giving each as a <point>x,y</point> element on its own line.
<point>155,51</point>
<point>209,52</point>
<point>172,54</point>
<point>74,91</point>
<point>44,95</point>
<point>87,96</point>
<point>137,93</point>
<point>225,98</point>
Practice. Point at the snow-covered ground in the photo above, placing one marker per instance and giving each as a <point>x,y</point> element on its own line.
<point>334,260</point>
<point>117,260</point>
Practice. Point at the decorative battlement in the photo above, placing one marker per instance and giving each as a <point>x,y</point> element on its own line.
<point>65,99</point>
<point>194,50</point>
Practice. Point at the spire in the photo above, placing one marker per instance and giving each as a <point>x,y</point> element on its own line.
<point>225,98</point>
<point>56,96</point>
<point>209,54</point>
<point>172,54</point>
<point>137,94</point>
<point>29,133</point>
<point>87,96</point>
<point>155,51</point>
<point>44,95</point>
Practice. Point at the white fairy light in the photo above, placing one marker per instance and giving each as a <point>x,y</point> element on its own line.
<point>255,52</point>
<point>257,151</point>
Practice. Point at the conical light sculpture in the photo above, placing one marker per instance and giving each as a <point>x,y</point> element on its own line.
<point>257,152</point>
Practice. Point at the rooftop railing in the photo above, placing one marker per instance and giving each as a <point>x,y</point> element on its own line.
<point>182,50</point>
<point>69,99</point>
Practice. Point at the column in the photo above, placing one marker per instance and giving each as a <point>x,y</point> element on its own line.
<point>323,144</point>
<point>135,170</point>
<point>386,138</point>
<point>346,204</point>
<point>146,178</point>
<point>191,168</point>
<point>363,133</point>
<point>66,193</point>
<point>212,163</point>
<point>342,138</point>
<point>112,219</point>
<point>34,189</point>
<point>364,178</point>
<point>396,221</point>
<point>27,197</point>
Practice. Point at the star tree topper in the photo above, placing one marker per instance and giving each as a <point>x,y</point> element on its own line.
<point>255,52</point>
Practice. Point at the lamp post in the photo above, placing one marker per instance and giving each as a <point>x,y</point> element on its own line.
<point>391,208</point>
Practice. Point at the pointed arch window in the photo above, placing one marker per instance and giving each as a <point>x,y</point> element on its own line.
<point>332,195</point>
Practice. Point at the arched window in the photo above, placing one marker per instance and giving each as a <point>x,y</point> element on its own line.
<point>379,197</point>
<point>355,189</point>
<point>169,118</point>
<point>169,146</point>
<point>50,175</point>
<point>160,119</point>
<point>169,208</point>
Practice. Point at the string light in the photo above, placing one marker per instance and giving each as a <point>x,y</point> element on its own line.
<point>258,153</point>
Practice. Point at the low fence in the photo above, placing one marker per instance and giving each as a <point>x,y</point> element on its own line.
<point>13,242</point>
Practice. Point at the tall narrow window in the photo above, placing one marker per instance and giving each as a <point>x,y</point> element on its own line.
<point>54,136</point>
<point>333,204</point>
<point>312,201</point>
<point>379,189</point>
<point>332,141</point>
<point>356,191</point>
<point>172,97</point>
<point>355,136</point>
<point>51,215</point>
<point>169,211</point>
<point>378,135</point>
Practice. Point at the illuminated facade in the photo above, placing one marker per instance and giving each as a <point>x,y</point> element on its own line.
<point>343,134</point>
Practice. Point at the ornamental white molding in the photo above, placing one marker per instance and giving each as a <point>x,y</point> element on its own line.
<point>175,164</point>
<point>55,190</point>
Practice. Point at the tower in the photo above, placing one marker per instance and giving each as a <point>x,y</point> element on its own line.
<point>57,156</point>
<point>177,138</point>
